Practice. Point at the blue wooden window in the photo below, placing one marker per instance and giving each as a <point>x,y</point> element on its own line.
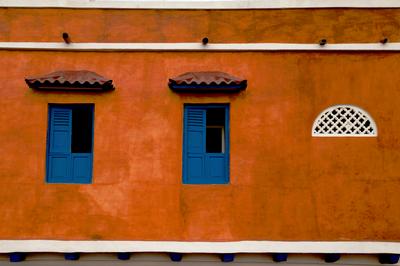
<point>206,144</point>
<point>70,144</point>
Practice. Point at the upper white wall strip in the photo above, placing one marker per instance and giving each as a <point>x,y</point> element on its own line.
<point>197,46</point>
<point>200,247</point>
<point>200,4</point>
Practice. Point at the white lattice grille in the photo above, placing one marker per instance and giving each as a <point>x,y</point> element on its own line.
<point>344,120</point>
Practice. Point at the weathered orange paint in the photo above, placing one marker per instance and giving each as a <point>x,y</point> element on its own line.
<point>284,184</point>
<point>225,26</point>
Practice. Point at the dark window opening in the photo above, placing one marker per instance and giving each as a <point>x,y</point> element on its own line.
<point>82,120</point>
<point>215,130</point>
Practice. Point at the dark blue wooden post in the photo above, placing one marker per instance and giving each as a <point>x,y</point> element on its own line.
<point>279,257</point>
<point>17,256</point>
<point>175,256</point>
<point>388,258</point>
<point>72,256</point>
<point>123,255</point>
<point>227,257</point>
<point>332,257</point>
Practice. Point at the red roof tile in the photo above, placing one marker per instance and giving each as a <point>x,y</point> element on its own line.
<point>70,79</point>
<point>207,81</point>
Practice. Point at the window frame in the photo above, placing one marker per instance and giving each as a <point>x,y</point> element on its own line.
<point>223,140</point>
<point>226,144</point>
<point>69,106</point>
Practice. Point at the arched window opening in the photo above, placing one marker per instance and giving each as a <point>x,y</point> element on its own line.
<point>344,121</point>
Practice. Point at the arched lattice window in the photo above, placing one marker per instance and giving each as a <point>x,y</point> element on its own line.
<point>344,121</point>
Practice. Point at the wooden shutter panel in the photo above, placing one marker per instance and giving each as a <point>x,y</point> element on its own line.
<point>60,130</point>
<point>216,168</point>
<point>59,151</point>
<point>194,148</point>
<point>82,168</point>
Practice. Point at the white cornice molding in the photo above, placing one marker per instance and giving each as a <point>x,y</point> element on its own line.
<point>353,247</point>
<point>104,47</point>
<point>200,4</point>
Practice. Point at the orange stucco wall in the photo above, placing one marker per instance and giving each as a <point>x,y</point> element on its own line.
<point>291,25</point>
<point>284,184</point>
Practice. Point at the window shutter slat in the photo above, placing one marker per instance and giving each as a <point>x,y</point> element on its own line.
<point>59,155</point>
<point>195,136</point>
<point>60,130</point>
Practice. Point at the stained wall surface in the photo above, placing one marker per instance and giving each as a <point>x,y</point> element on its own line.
<point>284,184</point>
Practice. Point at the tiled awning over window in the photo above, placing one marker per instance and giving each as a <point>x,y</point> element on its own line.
<point>207,81</point>
<point>70,80</point>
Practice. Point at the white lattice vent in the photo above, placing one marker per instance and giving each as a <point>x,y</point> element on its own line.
<point>343,121</point>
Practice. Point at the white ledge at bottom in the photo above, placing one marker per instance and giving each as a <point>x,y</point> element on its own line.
<point>58,46</point>
<point>354,247</point>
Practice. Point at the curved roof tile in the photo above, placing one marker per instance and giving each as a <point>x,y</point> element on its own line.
<point>70,79</point>
<point>207,81</point>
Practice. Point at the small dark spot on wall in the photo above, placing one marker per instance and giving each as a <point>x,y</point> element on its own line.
<point>96,237</point>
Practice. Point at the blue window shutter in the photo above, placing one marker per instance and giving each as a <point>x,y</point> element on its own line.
<point>82,168</point>
<point>200,167</point>
<point>64,165</point>
<point>59,150</point>
<point>194,146</point>
<point>216,168</point>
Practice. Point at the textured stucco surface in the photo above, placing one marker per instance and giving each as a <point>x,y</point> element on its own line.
<point>290,25</point>
<point>284,184</point>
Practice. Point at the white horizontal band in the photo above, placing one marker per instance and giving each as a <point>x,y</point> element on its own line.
<point>200,4</point>
<point>197,46</point>
<point>366,247</point>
